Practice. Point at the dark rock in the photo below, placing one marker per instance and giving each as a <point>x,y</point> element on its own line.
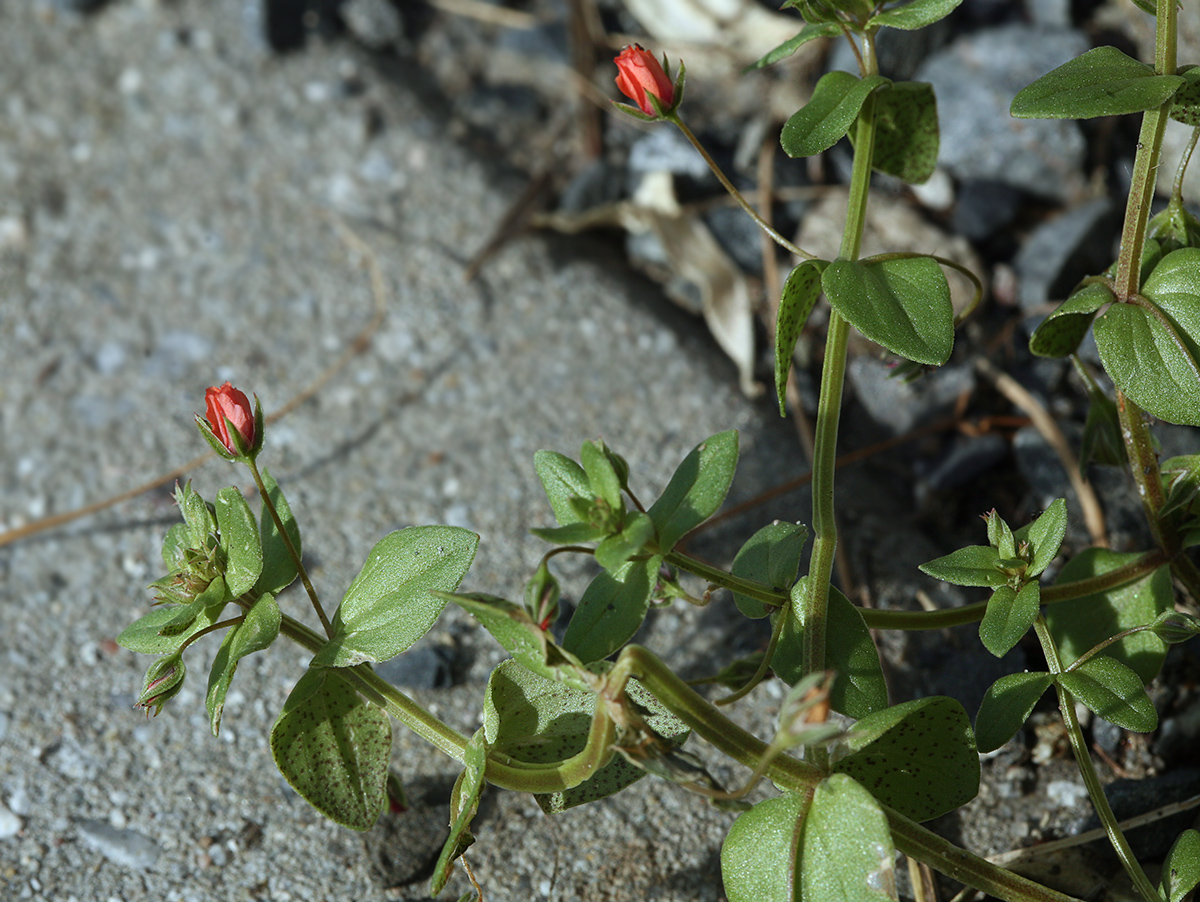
<point>1130,798</point>
<point>976,79</point>
<point>404,846</point>
<point>963,461</point>
<point>900,405</point>
<point>596,185</point>
<point>738,234</point>
<point>1060,252</point>
<point>984,207</point>
<point>424,667</point>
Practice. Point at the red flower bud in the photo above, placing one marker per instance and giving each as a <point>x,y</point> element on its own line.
<point>640,76</point>
<point>228,405</point>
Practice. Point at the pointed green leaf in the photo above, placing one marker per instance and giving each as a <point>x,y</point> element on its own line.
<point>809,32</point>
<point>563,480</point>
<point>859,688</point>
<point>800,293</point>
<point>1102,82</point>
<point>1006,705</point>
<point>1080,624</point>
<point>279,567</point>
<point>196,514</point>
<point>1008,617</point>
<point>256,632</point>
<point>914,14</point>
<point>333,748</point>
<point>825,119</point>
<point>390,604</point>
<point>1181,870</point>
<point>771,556</point>
<point>760,853</point>
<point>1111,690</point>
<point>175,544</point>
<point>974,565</point>
<point>1045,534</point>
<point>464,803</point>
<point>847,853</point>
<point>696,489</point>
<point>145,635</point>
<point>1060,333</point>
<point>572,534</point>
<point>239,538</point>
<point>902,303</point>
<point>918,757</point>
<point>611,610</point>
<point>906,131</point>
<point>1000,535</point>
<point>511,626</point>
<point>602,477</point>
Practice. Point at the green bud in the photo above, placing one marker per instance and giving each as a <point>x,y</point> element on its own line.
<point>1175,626</point>
<point>541,597</point>
<point>164,679</point>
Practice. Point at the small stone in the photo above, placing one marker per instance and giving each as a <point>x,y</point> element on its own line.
<point>984,207</point>
<point>899,405</point>
<point>376,23</point>
<point>124,847</point>
<point>10,824</point>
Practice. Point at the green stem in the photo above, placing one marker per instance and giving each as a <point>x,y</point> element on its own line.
<point>1137,569</point>
<point>291,547</point>
<point>1091,780</point>
<point>734,193</point>
<point>799,776</point>
<point>814,602</point>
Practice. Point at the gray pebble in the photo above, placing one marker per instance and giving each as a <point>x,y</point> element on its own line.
<point>10,824</point>
<point>975,79</point>
<point>124,847</point>
<point>1058,253</point>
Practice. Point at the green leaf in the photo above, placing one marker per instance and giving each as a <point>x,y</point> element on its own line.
<point>256,632</point>
<point>1151,363</point>
<point>1045,534</point>
<point>279,568</point>
<point>1181,870</point>
<point>464,803</point>
<point>847,854</point>
<point>1060,333</point>
<point>196,514</point>
<point>1006,705</point>
<point>974,565</point>
<point>918,757</point>
<point>771,556</point>
<point>825,119</point>
<point>1081,624</point>
<point>572,534</point>
<point>760,852</point>
<point>1185,106</point>
<point>809,32</point>
<point>239,538</point>
<point>333,748</point>
<point>906,131</point>
<point>613,552</point>
<point>1181,479</point>
<point>611,610</point>
<point>1008,617</point>
<point>800,293</point>
<point>1000,535</point>
<point>145,634</point>
<point>564,481</point>
<point>915,14</point>
<point>542,721</point>
<point>390,604</point>
<point>1111,690</point>
<point>902,303</point>
<point>511,626</point>
<point>602,476</point>
<point>696,489</point>
<point>1102,82</point>
<point>858,688</point>
<point>175,545</point>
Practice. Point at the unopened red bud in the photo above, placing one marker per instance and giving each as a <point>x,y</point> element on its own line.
<point>640,76</point>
